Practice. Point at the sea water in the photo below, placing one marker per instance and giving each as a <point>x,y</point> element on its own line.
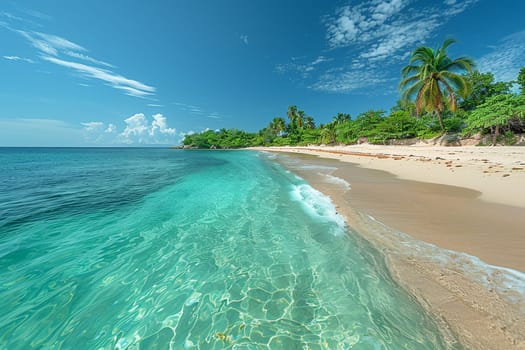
<point>173,249</point>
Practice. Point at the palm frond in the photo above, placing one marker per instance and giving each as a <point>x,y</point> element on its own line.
<point>447,43</point>
<point>423,54</point>
<point>458,82</point>
<point>461,63</point>
<point>409,80</point>
<point>411,91</point>
<point>409,70</point>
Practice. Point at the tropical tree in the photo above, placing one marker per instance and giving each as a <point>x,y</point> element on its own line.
<point>498,112</point>
<point>277,125</point>
<point>521,80</point>
<point>299,120</point>
<point>432,77</point>
<point>340,118</point>
<point>328,133</point>
<point>309,122</point>
<point>482,87</point>
<point>292,114</point>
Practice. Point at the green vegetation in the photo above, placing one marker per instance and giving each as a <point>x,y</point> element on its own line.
<point>449,97</point>
<point>505,112</point>
<point>521,80</point>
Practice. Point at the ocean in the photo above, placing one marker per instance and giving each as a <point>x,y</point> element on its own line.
<point>124,248</point>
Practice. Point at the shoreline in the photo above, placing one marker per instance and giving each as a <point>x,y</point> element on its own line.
<point>468,296</point>
<point>473,167</point>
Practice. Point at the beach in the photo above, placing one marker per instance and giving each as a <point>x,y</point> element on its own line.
<point>449,221</point>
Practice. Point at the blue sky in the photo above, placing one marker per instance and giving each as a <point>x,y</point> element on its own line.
<point>125,72</point>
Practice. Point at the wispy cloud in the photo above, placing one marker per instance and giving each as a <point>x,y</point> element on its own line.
<point>88,58</point>
<point>49,44</point>
<point>299,65</point>
<point>93,126</point>
<point>189,108</point>
<point>9,15</point>
<point>378,35</point>
<point>244,38</point>
<point>197,111</point>
<point>351,80</point>
<point>506,58</point>
<point>154,105</point>
<point>38,14</point>
<point>129,86</point>
<point>386,29</point>
<point>18,58</point>
<point>54,48</point>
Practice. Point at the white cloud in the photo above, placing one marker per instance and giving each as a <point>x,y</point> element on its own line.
<point>195,110</point>
<point>244,39</point>
<point>18,58</point>
<point>131,87</point>
<point>10,16</point>
<point>111,128</point>
<point>160,125</point>
<point>506,58</point>
<point>52,47</point>
<point>38,14</point>
<point>49,44</point>
<point>136,125</point>
<point>93,126</point>
<point>304,68</point>
<point>354,24</point>
<point>94,132</point>
<point>88,58</point>
<point>154,105</point>
<point>56,42</point>
<point>379,34</point>
<point>350,80</point>
<point>138,130</point>
<point>214,116</point>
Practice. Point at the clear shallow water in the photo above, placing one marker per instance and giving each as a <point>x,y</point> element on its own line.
<point>158,249</point>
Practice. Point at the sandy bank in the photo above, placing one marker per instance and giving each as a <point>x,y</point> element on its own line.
<point>498,173</point>
<point>466,199</point>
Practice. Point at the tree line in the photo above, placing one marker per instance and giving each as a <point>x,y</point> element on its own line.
<point>439,95</point>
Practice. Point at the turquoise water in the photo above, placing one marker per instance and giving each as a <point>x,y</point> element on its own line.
<point>170,249</point>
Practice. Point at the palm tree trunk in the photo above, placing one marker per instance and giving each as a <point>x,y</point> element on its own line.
<point>441,122</point>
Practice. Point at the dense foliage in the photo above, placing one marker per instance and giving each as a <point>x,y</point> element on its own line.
<point>466,104</point>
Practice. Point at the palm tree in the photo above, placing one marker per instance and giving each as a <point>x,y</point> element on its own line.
<point>277,125</point>
<point>328,133</point>
<point>340,118</point>
<point>431,76</point>
<point>300,119</point>
<point>309,122</point>
<point>292,114</point>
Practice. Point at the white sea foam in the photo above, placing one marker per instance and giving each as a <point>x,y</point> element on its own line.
<point>267,154</point>
<point>505,281</point>
<point>335,180</point>
<point>319,167</point>
<point>319,206</point>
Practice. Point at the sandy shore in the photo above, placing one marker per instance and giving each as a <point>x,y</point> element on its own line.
<point>463,199</point>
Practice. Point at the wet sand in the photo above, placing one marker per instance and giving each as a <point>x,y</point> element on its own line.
<point>466,296</point>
